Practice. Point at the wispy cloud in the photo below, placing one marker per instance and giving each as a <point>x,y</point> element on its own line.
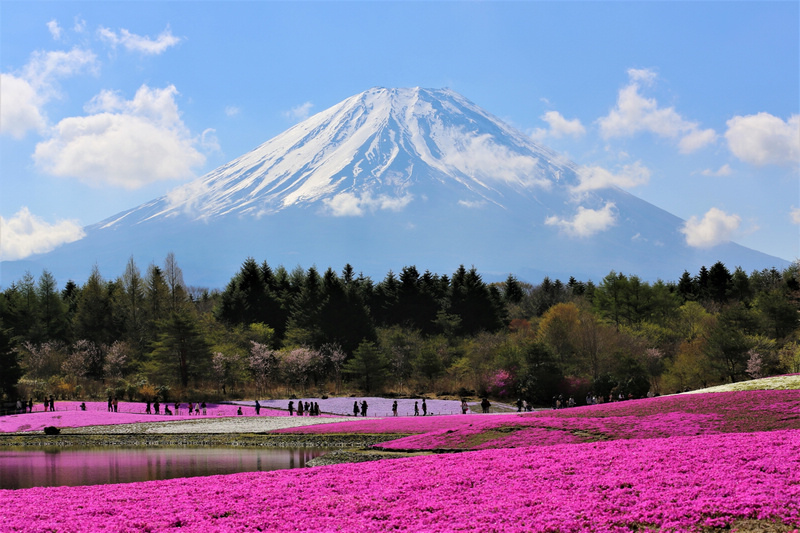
<point>586,222</point>
<point>54,29</point>
<point>794,215</point>
<point>481,158</point>
<point>299,113</point>
<point>724,170</point>
<point>634,113</point>
<point>138,43</point>
<point>764,139</point>
<point>25,234</point>
<point>123,143</point>
<point>232,110</point>
<point>714,228</point>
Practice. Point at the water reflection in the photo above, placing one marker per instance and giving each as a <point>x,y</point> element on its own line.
<point>23,468</point>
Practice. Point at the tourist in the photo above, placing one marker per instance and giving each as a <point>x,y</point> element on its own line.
<point>299,408</point>
<point>147,408</point>
<point>197,409</point>
<point>355,408</point>
<point>291,408</point>
<point>364,408</point>
<point>177,408</point>
<point>191,407</point>
<point>258,407</point>
<point>116,405</point>
<point>52,403</point>
<point>30,405</point>
<point>308,409</point>
<point>416,408</point>
<point>110,404</point>
<point>464,406</point>
<point>83,406</point>
<point>519,405</point>
<point>239,410</point>
<point>156,406</point>
<point>166,410</point>
<point>394,408</point>
<point>424,407</point>
<point>18,407</point>
<point>485,405</point>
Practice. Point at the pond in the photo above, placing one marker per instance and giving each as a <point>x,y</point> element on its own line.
<point>49,467</point>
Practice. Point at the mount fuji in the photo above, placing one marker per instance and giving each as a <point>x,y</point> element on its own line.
<point>390,178</point>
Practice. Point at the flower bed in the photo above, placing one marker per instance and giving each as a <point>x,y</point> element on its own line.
<point>687,415</point>
<point>675,484</point>
<point>69,414</point>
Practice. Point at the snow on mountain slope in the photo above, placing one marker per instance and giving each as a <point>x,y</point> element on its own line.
<point>376,150</point>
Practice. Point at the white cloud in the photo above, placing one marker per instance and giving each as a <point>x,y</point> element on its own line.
<point>139,43</point>
<point>472,204</point>
<point>54,29</point>
<point>299,113</point>
<point>559,127</point>
<point>349,204</point>
<point>715,227</point>
<point>724,170</point>
<point>696,139</point>
<point>592,178</point>
<point>764,139</point>
<point>232,110</point>
<point>25,234</point>
<point>634,114</point>
<point>479,157</point>
<point>124,143</point>
<point>19,107</point>
<point>46,67</point>
<point>586,222</point>
<point>23,95</point>
<point>209,140</point>
<point>79,26</point>
<point>794,214</point>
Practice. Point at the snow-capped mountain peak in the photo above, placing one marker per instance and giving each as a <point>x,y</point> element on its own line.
<point>379,148</point>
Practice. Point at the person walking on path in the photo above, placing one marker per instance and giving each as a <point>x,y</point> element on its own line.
<point>485,405</point>
<point>258,407</point>
<point>416,408</point>
<point>355,408</point>
<point>424,407</point>
<point>291,408</point>
<point>394,408</point>
<point>464,406</point>
<point>364,408</point>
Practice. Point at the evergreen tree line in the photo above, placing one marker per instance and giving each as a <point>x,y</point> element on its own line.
<point>271,331</point>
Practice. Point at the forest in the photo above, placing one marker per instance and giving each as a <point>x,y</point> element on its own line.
<point>272,332</point>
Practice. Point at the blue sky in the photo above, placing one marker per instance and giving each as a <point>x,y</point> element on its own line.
<point>692,106</point>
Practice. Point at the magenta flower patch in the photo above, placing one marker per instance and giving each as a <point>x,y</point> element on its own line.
<point>673,484</point>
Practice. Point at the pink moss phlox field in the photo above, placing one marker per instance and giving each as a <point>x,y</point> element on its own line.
<point>674,484</point>
<point>69,414</point>
<point>683,415</point>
